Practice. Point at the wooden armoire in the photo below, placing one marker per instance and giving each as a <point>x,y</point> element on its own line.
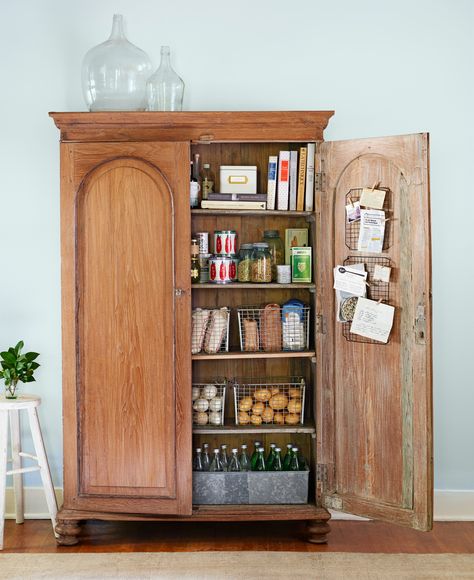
<point>126,226</point>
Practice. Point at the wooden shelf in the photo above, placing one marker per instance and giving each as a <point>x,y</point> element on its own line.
<point>249,285</point>
<point>235,355</point>
<point>252,429</point>
<point>252,212</point>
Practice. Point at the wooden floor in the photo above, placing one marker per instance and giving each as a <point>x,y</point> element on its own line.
<point>346,536</point>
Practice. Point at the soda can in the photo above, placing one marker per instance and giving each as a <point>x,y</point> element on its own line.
<point>225,242</point>
<point>222,269</point>
<point>203,241</point>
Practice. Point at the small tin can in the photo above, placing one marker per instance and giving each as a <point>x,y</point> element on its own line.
<point>203,241</point>
<point>222,269</point>
<point>204,264</point>
<point>225,242</point>
<point>283,274</point>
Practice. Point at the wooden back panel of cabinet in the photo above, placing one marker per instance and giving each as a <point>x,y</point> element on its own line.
<point>126,376</point>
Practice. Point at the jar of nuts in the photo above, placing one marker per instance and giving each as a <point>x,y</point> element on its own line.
<point>261,266</point>
<point>245,260</point>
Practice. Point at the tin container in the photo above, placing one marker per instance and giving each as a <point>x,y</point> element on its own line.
<point>222,269</point>
<point>204,264</point>
<point>225,242</point>
<point>203,241</point>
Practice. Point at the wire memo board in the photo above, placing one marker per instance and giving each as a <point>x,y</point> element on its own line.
<point>353,228</point>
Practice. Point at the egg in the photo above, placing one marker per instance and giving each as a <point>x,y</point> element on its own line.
<point>209,392</point>
<point>267,415</point>
<point>278,402</point>
<point>278,418</point>
<point>262,395</point>
<point>200,418</point>
<point>215,418</point>
<point>256,420</point>
<point>258,408</point>
<point>201,405</point>
<point>245,404</point>
<point>243,418</point>
<point>215,404</point>
<point>195,393</point>
<point>292,419</point>
<point>294,406</point>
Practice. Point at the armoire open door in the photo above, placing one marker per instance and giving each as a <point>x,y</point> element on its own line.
<point>375,399</point>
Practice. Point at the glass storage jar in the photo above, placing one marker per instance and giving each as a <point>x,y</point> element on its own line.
<point>276,249</point>
<point>261,267</point>
<point>245,262</point>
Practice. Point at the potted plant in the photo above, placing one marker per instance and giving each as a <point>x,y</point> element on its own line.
<point>17,367</point>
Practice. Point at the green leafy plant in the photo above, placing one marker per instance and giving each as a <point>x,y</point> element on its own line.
<point>17,367</point>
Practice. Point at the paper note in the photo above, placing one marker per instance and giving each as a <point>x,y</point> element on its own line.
<point>372,230</point>
<point>373,198</point>
<point>373,320</point>
<point>342,296</point>
<point>353,212</point>
<point>381,273</point>
<point>350,280</point>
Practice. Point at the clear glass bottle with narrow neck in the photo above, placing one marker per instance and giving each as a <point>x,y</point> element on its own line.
<point>234,463</point>
<point>165,89</point>
<point>206,460</point>
<point>197,463</point>
<point>216,464</point>
<point>224,457</point>
<point>244,459</point>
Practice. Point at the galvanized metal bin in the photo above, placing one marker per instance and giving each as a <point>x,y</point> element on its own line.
<point>253,487</point>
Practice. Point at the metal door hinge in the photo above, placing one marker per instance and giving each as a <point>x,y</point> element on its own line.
<point>178,292</point>
<point>320,181</point>
<point>420,324</point>
<point>320,324</point>
<point>322,473</point>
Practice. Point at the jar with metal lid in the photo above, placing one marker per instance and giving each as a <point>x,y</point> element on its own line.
<point>261,267</point>
<point>276,248</point>
<point>245,261</point>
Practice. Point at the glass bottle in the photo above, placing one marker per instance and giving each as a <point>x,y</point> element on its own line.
<point>224,457</point>
<point>245,262</point>
<point>195,265</point>
<point>276,249</point>
<point>197,463</point>
<point>207,181</point>
<point>244,459</point>
<point>115,73</point>
<point>261,266</point>
<point>206,460</point>
<point>194,188</point>
<point>234,463</point>
<point>277,463</point>
<point>287,460</point>
<point>253,459</point>
<point>216,464</point>
<point>270,456</point>
<point>165,89</point>
<point>260,463</point>
<point>295,462</point>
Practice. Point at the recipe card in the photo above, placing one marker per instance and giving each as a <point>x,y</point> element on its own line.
<point>373,198</point>
<point>372,230</point>
<point>350,280</point>
<point>373,319</point>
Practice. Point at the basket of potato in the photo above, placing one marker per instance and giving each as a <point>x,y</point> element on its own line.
<point>273,402</point>
<point>209,402</point>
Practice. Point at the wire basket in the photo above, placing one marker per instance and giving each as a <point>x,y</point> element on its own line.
<point>274,328</point>
<point>209,402</point>
<point>269,401</point>
<point>210,330</point>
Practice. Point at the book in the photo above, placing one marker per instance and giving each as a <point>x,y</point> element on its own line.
<point>218,204</point>
<point>301,265</point>
<point>309,193</point>
<point>272,181</point>
<point>293,179</point>
<point>237,197</point>
<point>301,179</point>
<point>283,180</point>
<point>294,237</point>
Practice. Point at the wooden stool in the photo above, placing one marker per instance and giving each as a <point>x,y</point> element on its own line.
<point>11,408</point>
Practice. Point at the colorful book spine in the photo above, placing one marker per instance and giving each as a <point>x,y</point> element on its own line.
<point>293,179</point>
<point>301,179</point>
<point>283,180</point>
<point>309,194</point>
<point>272,181</point>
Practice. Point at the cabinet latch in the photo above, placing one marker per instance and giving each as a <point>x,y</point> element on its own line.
<point>320,181</point>
<point>320,324</point>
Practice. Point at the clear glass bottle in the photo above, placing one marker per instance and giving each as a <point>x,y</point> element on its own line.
<point>234,463</point>
<point>197,462</point>
<point>245,263</point>
<point>115,73</point>
<point>276,249</point>
<point>194,189</point>
<point>224,457</point>
<point>207,181</point>
<point>216,464</point>
<point>244,459</point>
<point>260,463</point>
<point>277,464</point>
<point>206,460</point>
<point>261,267</point>
<point>165,89</point>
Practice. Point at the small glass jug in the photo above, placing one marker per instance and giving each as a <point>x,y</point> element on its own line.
<point>165,89</point>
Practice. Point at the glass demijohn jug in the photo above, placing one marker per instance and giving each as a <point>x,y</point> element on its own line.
<point>165,88</point>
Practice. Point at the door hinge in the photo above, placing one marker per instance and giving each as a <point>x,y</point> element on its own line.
<point>320,324</point>
<point>420,324</point>
<point>320,181</point>
<point>322,473</point>
<point>178,292</point>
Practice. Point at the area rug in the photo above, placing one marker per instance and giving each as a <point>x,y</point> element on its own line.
<point>238,565</point>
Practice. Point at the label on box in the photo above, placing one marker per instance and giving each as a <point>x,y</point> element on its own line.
<point>301,265</point>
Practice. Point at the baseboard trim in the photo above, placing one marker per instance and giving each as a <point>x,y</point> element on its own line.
<point>449,505</point>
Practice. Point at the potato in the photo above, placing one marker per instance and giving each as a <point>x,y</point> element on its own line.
<point>278,418</point>
<point>267,415</point>
<point>258,408</point>
<point>274,390</point>
<point>294,406</point>
<point>295,393</point>
<point>256,420</point>
<point>262,395</point>
<point>243,418</point>
<point>278,402</point>
<point>292,419</point>
<point>245,404</point>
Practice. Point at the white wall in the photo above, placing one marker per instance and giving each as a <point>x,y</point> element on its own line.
<point>386,68</point>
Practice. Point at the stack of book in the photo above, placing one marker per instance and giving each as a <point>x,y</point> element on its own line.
<point>252,201</point>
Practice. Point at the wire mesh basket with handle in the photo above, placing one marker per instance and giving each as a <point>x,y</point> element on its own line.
<point>210,330</point>
<point>209,402</point>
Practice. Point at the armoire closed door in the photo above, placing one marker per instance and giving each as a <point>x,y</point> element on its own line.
<point>126,302</point>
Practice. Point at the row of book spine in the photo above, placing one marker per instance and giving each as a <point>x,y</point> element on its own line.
<point>291,180</point>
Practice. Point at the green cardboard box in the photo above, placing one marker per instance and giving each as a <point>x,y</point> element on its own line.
<point>301,270</point>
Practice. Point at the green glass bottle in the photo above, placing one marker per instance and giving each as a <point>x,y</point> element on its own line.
<point>286,461</point>
<point>253,459</point>
<point>270,456</point>
<point>295,462</point>
<point>260,463</point>
<point>276,463</point>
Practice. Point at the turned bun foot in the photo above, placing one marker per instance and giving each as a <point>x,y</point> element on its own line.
<point>67,532</point>
<point>317,531</point>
